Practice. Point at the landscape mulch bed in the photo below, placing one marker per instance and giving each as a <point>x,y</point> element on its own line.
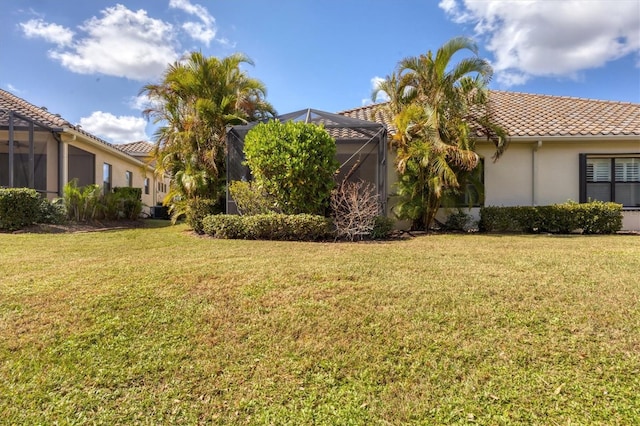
<point>78,227</point>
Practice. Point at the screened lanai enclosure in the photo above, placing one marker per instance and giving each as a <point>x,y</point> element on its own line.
<point>360,148</point>
<point>30,155</point>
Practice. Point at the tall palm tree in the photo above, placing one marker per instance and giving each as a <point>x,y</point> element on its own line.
<point>433,103</point>
<point>196,100</point>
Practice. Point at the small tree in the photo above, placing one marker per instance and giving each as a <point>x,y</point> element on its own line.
<point>294,163</point>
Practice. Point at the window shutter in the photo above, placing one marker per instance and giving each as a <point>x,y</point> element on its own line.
<point>599,170</point>
<point>627,170</point>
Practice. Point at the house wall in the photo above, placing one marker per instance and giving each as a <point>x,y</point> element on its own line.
<point>546,172</point>
<point>47,144</point>
<point>120,164</point>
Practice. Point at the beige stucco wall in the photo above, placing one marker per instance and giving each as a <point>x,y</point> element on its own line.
<point>536,173</point>
<point>546,172</point>
<point>120,164</point>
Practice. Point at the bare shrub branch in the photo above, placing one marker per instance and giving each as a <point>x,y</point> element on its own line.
<point>354,206</point>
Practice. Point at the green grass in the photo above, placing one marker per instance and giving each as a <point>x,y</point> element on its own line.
<point>156,326</point>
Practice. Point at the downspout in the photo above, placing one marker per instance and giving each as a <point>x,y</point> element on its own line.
<point>11,142</point>
<point>534,172</point>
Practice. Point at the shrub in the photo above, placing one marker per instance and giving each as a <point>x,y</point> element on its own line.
<point>266,227</point>
<point>354,208</point>
<point>82,203</point>
<point>589,218</point>
<point>19,207</point>
<point>130,202</point>
<point>294,163</point>
<point>249,199</point>
<point>122,203</point>
<point>308,227</point>
<point>52,212</point>
<point>197,210</point>
<point>382,227</point>
<point>457,221</point>
<point>226,226</point>
<point>302,227</point>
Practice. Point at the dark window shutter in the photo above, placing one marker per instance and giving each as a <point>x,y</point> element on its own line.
<point>583,177</point>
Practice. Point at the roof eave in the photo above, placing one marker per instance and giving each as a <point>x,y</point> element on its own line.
<point>97,144</point>
<point>565,138</point>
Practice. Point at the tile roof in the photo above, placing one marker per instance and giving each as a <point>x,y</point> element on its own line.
<point>11,102</point>
<point>136,148</point>
<point>531,115</point>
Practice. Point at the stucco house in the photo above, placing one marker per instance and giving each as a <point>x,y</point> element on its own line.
<point>560,149</point>
<point>43,151</point>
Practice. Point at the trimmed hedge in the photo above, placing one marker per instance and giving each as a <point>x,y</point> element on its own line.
<point>19,207</point>
<point>300,227</point>
<point>198,209</point>
<point>596,217</point>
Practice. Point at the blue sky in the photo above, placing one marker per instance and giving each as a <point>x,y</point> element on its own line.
<point>88,60</point>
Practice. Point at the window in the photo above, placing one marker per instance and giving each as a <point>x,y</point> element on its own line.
<point>608,178</point>
<point>81,166</point>
<point>473,184</point>
<point>106,178</point>
<point>128,178</point>
<point>146,186</point>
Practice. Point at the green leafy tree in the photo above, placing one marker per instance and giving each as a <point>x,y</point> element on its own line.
<point>294,163</point>
<point>196,100</point>
<point>434,104</point>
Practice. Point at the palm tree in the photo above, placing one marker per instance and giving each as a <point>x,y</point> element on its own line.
<point>195,102</point>
<point>433,103</point>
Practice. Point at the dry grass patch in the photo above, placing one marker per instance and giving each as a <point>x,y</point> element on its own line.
<point>157,326</point>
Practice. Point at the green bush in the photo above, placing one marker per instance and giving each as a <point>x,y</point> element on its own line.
<point>128,192</point>
<point>301,227</point>
<point>589,218</point>
<point>226,226</point>
<point>122,203</point>
<point>249,199</point>
<point>382,227</point>
<point>198,209</point>
<point>457,221</point>
<point>52,212</point>
<point>308,227</point>
<point>265,227</point>
<point>19,207</point>
<point>294,163</point>
<point>82,203</point>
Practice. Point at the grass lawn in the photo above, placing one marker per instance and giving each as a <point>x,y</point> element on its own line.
<point>156,326</point>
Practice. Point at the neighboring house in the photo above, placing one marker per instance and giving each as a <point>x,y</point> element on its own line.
<point>43,151</point>
<point>560,149</point>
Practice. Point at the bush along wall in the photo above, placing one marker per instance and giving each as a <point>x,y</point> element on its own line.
<point>19,208</point>
<point>22,207</point>
<point>596,217</point>
<point>297,227</point>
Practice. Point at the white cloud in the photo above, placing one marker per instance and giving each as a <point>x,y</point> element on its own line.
<point>139,103</point>
<point>550,38</point>
<point>120,43</point>
<point>122,129</point>
<point>13,89</point>
<point>199,31</point>
<point>53,33</point>
<point>375,83</point>
<point>203,31</point>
